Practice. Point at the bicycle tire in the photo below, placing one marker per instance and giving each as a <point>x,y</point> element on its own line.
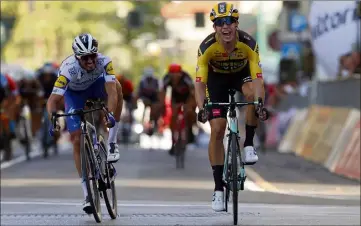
<point>179,153</point>
<point>111,207</point>
<point>234,177</point>
<point>7,147</point>
<point>87,167</point>
<point>45,143</point>
<point>26,138</point>
<point>227,173</point>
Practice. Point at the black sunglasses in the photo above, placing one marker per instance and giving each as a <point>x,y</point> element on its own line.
<point>227,20</point>
<point>90,56</point>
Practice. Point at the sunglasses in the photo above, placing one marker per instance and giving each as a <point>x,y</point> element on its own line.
<point>90,56</point>
<point>224,20</point>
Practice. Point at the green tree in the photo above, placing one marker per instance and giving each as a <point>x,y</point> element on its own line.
<point>47,31</point>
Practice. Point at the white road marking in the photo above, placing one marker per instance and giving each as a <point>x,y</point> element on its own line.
<point>123,182</point>
<point>37,152</point>
<point>171,204</point>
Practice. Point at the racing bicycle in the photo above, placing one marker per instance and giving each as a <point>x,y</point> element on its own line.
<point>98,173</point>
<point>234,175</point>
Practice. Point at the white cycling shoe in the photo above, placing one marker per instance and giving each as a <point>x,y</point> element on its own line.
<point>113,152</point>
<point>217,201</point>
<point>250,155</point>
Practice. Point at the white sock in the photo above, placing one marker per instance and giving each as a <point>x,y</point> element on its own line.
<point>113,132</point>
<point>83,185</point>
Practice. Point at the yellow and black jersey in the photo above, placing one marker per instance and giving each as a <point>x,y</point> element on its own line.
<point>211,54</point>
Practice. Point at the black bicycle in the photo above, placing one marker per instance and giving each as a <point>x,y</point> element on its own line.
<point>98,173</point>
<point>234,176</point>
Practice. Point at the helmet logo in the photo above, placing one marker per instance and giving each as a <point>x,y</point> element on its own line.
<point>84,38</point>
<point>222,7</point>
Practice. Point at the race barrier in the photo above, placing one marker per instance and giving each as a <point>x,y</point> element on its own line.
<point>349,162</point>
<point>343,139</point>
<point>327,136</point>
<point>289,141</point>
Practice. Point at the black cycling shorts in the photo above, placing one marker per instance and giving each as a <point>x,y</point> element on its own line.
<point>218,85</point>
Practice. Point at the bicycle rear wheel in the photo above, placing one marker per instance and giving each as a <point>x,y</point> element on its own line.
<point>89,174</point>
<point>179,150</point>
<point>111,197</point>
<point>45,137</point>
<point>234,177</point>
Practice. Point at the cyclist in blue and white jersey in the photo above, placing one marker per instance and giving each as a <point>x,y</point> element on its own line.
<point>87,74</point>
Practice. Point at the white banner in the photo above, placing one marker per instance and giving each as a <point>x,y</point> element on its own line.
<point>334,27</point>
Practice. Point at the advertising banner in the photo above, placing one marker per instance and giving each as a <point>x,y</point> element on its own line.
<point>335,31</point>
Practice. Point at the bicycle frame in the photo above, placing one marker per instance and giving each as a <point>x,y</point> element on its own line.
<point>180,124</point>
<point>232,127</point>
<point>89,132</point>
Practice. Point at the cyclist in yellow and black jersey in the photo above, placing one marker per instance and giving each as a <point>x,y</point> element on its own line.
<point>228,58</point>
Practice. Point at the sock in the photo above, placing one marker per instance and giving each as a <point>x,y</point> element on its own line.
<point>217,176</point>
<point>83,185</point>
<point>113,132</point>
<point>12,126</point>
<point>250,131</point>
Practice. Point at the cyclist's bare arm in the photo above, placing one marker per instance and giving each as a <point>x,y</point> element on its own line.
<point>256,73</point>
<point>53,103</point>
<point>162,90</point>
<point>111,89</point>
<point>55,99</point>
<point>201,78</point>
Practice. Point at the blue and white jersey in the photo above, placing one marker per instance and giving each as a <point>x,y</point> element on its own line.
<point>73,77</point>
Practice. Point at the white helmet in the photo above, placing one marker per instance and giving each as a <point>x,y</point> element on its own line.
<point>85,44</point>
<point>148,72</point>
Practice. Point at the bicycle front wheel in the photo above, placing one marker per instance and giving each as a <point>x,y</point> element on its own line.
<point>179,150</point>
<point>89,175</point>
<point>234,149</point>
<point>109,193</point>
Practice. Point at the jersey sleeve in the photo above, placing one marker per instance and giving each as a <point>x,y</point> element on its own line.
<point>165,83</point>
<point>202,66</point>
<point>62,82</point>
<point>254,63</point>
<point>188,80</point>
<point>109,70</point>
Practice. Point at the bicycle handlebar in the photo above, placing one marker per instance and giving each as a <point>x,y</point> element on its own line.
<point>81,112</point>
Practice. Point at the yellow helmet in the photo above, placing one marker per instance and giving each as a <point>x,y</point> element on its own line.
<point>223,9</point>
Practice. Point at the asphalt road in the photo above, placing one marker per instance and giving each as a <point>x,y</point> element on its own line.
<point>280,190</point>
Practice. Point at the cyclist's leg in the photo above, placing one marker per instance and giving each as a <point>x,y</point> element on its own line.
<point>217,87</point>
<point>73,101</point>
<point>113,152</point>
<point>191,117</point>
<point>251,119</point>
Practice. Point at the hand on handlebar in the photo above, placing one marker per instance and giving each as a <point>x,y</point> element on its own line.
<point>202,115</point>
<point>54,131</point>
<point>261,112</point>
<point>109,120</point>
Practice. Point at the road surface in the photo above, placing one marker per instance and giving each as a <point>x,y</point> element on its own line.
<point>280,190</point>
